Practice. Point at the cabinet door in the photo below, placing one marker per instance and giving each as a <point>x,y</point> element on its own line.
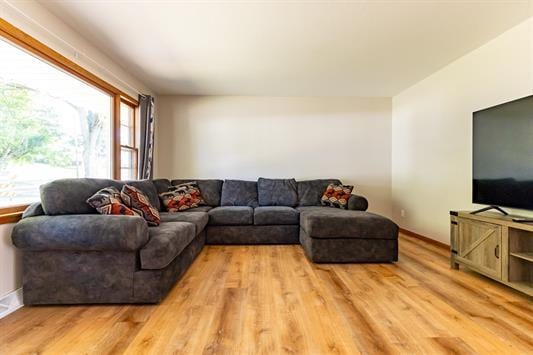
<point>478,246</point>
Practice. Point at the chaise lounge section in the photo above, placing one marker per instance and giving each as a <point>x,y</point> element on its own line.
<point>72,255</point>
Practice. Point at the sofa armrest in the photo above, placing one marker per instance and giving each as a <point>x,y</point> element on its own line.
<point>357,203</point>
<point>81,233</point>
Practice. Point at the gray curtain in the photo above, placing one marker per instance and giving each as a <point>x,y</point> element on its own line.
<point>146,149</point>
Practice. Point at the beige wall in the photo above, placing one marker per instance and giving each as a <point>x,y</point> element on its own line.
<point>432,129</point>
<point>32,18</point>
<point>305,138</point>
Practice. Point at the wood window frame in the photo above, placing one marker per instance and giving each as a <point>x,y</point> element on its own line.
<point>23,40</point>
<point>134,147</point>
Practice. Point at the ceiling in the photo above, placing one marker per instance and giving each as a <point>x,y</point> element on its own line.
<point>287,48</point>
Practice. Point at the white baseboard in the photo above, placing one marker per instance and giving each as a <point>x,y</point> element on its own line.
<point>11,302</point>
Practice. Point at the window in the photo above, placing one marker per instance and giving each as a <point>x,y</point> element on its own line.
<point>129,152</point>
<point>57,120</point>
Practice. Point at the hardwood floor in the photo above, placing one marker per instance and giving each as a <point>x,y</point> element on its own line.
<point>270,300</point>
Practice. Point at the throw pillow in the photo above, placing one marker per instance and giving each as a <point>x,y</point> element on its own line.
<point>337,195</point>
<point>182,197</point>
<point>108,201</point>
<point>137,201</point>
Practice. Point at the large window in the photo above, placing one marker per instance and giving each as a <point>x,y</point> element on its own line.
<point>57,121</point>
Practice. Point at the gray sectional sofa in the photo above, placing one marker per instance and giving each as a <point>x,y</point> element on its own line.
<point>73,255</point>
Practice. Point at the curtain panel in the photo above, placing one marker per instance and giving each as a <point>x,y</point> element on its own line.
<point>147,133</point>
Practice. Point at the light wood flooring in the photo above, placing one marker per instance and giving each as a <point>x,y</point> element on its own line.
<point>271,300</point>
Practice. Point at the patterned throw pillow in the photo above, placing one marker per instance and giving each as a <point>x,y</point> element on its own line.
<point>337,196</point>
<point>108,201</point>
<point>137,201</point>
<point>182,197</point>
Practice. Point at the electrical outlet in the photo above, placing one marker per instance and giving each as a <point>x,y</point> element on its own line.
<point>402,213</point>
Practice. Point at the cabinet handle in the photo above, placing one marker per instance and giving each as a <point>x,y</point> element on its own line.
<point>497,251</point>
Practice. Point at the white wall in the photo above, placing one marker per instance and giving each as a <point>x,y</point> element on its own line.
<point>33,19</point>
<point>432,129</point>
<point>304,138</point>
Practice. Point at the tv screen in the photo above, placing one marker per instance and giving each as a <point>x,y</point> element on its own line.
<point>503,155</point>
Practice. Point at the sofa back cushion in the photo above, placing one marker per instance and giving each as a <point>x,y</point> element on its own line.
<point>209,188</point>
<point>310,191</point>
<point>161,185</point>
<point>148,188</point>
<point>69,196</point>
<point>277,192</point>
<point>239,193</point>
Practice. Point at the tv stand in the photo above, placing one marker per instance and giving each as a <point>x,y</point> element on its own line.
<point>495,246</point>
<point>488,208</point>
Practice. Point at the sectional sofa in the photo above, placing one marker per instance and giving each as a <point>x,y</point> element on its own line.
<point>73,255</point>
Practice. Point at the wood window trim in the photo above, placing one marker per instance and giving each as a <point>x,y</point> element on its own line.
<point>11,214</point>
<point>18,37</point>
<point>133,147</point>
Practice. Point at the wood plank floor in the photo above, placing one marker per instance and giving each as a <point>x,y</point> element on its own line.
<point>271,300</point>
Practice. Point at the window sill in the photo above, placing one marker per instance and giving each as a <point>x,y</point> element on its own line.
<point>13,217</point>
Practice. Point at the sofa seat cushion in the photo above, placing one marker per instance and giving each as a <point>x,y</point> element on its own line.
<point>166,242</point>
<point>310,191</point>
<point>199,219</point>
<point>277,192</point>
<point>276,215</point>
<point>231,216</point>
<point>200,209</point>
<point>239,193</point>
<point>326,222</point>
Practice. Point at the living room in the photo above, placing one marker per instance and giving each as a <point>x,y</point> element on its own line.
<point>289,177</point>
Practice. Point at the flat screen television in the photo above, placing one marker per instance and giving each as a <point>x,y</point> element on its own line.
<point>503,155</point>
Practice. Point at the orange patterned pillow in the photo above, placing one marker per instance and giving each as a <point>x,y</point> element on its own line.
<point>108,201</point>
<point>337,196</point>
<point>182,197</point>
<point>137,201</point>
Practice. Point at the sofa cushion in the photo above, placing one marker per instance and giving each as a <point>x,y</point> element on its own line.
<point>108,201</point>
<point>310,191</point>
<point>166,242</point>
<point>210,189</point>
<point>277,192</point>
<point>199,219</point>
<point>139,202</point>
<point>239,193</point>
<point>161,185</point>
<point>337,196</point>
<point>182,197</point>
<point>276,215</point>
<point>326,222</point>
<point>201,209</point>
<point>69,196</point>
<point>148,188</point>
<point>33,210</point>
<point>231,215</point>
